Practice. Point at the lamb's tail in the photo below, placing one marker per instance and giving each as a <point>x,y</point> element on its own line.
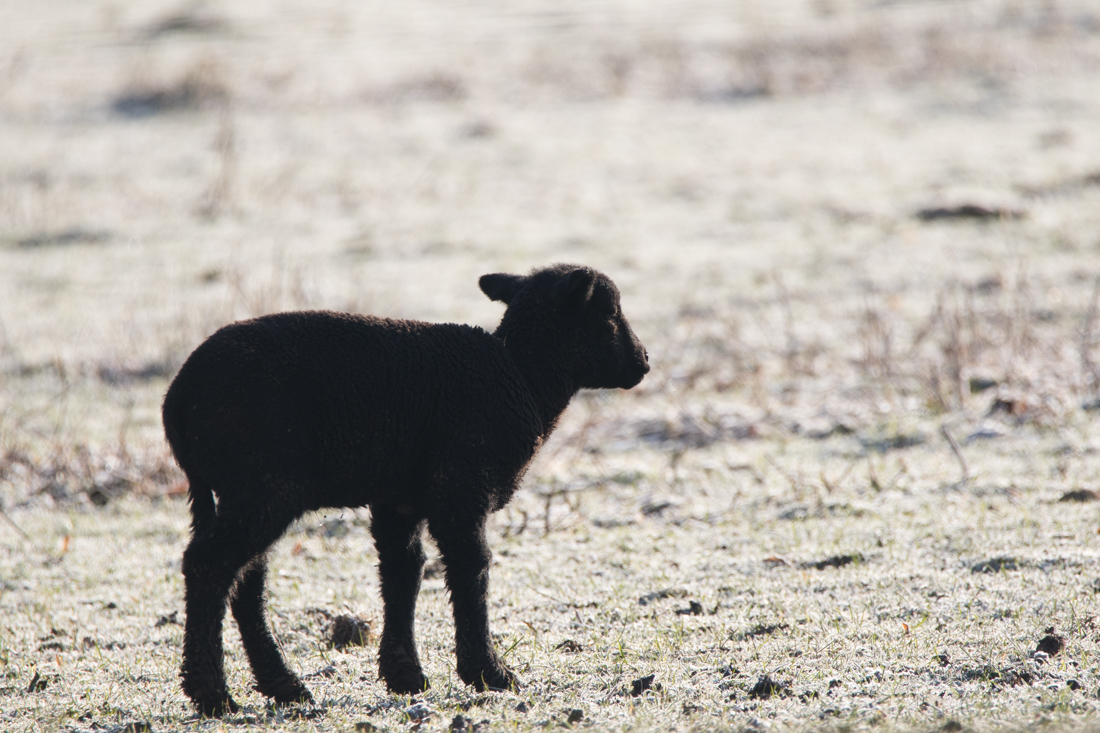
<point>203,508</point>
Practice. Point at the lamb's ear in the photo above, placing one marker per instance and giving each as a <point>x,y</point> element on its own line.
<point>575,289</point>
<point>501,286</point>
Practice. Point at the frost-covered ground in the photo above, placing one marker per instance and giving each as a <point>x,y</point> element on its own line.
<point>861,242</point>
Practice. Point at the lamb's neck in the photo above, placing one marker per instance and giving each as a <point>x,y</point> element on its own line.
<point>545,368</point>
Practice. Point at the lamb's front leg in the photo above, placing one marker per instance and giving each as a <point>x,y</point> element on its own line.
<point>400,564</point>
<point>466,555</point>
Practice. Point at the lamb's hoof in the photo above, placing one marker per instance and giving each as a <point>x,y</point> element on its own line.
<point>495,678</point>
<point>215,706</point>
<point>401,671</point>
<point>287,691</point>
<point>405,681</point>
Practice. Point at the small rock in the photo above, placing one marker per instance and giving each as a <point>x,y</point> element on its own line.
<point>576,715</point>
<point>1073,684</point>
<point>522,707</point>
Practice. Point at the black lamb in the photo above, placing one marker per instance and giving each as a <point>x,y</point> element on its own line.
<point>426,423</point>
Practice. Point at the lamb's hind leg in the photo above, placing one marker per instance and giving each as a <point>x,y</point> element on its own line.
<point>466,554</point>
<point>273,678</point>
<point>400,564</point>
<point>211,565</point>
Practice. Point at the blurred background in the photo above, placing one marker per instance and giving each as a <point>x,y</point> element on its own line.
<point>826,216</point>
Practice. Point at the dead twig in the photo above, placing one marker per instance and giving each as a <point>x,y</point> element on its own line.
<point>11,521</point>
<point>1088,334</point>
<point>958,454</point>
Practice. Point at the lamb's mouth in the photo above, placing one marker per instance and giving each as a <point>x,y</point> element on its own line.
<point>633,379</point>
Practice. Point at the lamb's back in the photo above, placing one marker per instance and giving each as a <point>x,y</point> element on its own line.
<point>349,403</point>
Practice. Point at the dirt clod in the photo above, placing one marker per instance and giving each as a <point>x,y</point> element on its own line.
<point>135,727</point>
<point>1081,495</point>
<point>1052,643</point>
<point>660,594</point>
<point>995,565</point>
<point>419,712</point>
<point>758,630</point>
<point>576,715</point>
<point>978,212</point>
<point>981,384</point>
<point>641,685</point>
<point>569,647</point>
<point>836,561</point>
<point>349,631</point>
<point>171,618</point>
<point>766,688</point>
<point>695,608</point>
<point>39,682</point>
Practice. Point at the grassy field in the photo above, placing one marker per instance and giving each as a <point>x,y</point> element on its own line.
<point>861,242</point>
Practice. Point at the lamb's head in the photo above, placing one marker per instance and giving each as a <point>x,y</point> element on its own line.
<point>578,308</point>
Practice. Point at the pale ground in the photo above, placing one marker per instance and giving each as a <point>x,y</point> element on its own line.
<point>749,174</point>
